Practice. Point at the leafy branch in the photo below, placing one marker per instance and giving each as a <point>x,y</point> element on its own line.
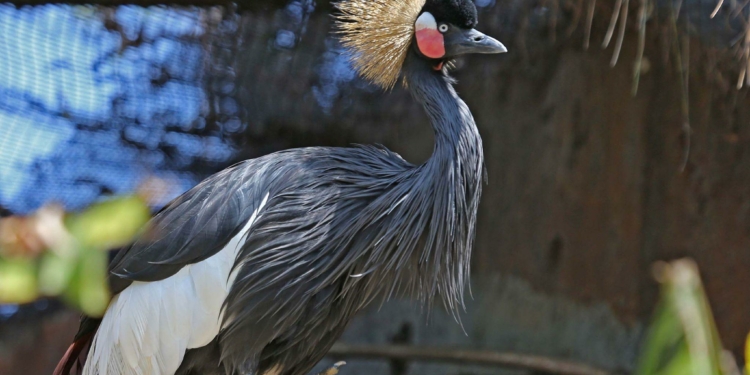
<point>51,253</point>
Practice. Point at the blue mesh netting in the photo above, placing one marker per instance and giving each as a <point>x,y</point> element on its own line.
<point>94,100</point>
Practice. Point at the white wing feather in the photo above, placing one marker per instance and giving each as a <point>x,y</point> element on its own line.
<point>148,326</point>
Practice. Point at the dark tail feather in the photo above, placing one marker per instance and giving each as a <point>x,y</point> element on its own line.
<point>74,359</point>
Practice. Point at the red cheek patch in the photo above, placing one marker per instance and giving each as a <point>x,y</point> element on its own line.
<point>430,43</point>
<point>429,39</point>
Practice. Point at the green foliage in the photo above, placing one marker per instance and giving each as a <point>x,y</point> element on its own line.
<point>110,223</point>
<point>17,280</point>
<point>682,338</point>
<point>56,254</point>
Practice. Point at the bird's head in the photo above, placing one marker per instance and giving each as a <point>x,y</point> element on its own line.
<point>380,33</point>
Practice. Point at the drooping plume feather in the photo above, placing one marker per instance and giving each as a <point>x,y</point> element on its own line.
<point>378,34</point>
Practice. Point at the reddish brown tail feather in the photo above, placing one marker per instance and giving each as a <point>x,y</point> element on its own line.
<point>74,359</point>
<point>72,362</point>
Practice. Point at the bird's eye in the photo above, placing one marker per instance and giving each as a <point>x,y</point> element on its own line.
<point>443,27</point>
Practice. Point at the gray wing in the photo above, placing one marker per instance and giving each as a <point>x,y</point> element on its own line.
<point>193,227</point>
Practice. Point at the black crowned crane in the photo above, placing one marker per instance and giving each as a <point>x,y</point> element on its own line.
<point>259,268</point>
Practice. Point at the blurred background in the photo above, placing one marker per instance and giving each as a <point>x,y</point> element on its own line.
<point>616,134</point>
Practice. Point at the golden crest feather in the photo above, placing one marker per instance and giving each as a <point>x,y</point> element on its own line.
<point>378,34</point>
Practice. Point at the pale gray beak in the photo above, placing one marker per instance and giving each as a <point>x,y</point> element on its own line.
<point>463,41</point>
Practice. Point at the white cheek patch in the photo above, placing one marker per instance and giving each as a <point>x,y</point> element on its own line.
<point>425,21</point>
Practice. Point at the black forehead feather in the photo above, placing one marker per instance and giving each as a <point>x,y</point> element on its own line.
<point>461,13</point>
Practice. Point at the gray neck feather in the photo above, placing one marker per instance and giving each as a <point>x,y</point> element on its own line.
<point>456,136</point>
<point>452,178</point>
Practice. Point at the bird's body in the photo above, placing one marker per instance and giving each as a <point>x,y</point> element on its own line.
<point>258,269</point>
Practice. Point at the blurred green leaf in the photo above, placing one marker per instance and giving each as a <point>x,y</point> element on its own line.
<point>682,338</point>
<point>75,264</point>
<point>17,280</point>
<point>55,272</point>
<point>93,292</point>
<point>109,224</point>
<point>87,287</point>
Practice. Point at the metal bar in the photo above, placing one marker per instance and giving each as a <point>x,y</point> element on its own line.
<point>463,356</point>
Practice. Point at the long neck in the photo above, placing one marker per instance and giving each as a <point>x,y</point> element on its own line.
<point>452,178</point>
<point>457,140</point>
